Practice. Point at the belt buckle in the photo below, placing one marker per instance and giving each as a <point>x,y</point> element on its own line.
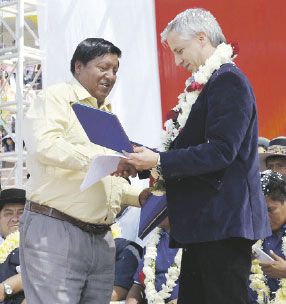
<point>89,228</point>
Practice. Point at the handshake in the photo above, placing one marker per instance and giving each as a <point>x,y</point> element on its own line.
<point>141,159</point>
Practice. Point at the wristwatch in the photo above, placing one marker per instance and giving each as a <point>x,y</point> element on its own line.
<point>158,160</point>
<point>158,165</point>
<point>7,289</point>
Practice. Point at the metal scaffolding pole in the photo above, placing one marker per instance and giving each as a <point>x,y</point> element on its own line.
<point>19,93</point>
<point>19,55</point>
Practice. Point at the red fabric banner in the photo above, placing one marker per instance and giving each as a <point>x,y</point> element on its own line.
<point>259,28</point>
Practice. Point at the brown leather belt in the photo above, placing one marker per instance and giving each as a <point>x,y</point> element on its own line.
<point>54,213</point>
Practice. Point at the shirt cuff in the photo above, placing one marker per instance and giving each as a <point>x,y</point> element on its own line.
<point>139,284</point>
<point>131,195</point>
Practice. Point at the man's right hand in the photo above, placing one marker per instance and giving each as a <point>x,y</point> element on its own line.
<point>124,169</point>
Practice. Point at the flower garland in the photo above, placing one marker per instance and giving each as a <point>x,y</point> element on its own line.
<point>152,295</point>
<point>258,281</point>
<point>177,118</point>
<point>11,242</point>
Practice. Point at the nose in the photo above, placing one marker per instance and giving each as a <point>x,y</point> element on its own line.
<point>110,75</point>
<point>15,218</point>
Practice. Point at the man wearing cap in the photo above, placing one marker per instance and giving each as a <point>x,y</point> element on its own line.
<point>164,259</point>
<point>274,189</point>
<point>274,158</point>
<point>12,203</point>
<point>67,251</point>
<point>8,143</point>
<point>128,255</point>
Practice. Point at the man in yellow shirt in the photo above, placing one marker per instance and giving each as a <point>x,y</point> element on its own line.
<point>67,251</point>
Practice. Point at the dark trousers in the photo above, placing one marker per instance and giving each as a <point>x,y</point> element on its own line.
<point>216,272</point>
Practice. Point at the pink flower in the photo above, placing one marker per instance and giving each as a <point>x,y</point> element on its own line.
<point>235,48</point>
<point>194,86</point>
<point>141,277</point>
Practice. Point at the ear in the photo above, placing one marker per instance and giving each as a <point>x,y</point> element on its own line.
<point>77,67</point>
<point>202,37</point>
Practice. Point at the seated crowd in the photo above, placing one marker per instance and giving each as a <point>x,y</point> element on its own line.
<point>149,269</point>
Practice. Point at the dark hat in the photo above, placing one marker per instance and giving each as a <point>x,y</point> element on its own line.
<point>277,147</point>
<point>8,136</point>
<point>153,212</point>
<point>263,142</point>
<point>12,195</point>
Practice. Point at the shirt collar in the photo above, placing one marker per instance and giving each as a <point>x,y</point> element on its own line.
<point>82,94</point>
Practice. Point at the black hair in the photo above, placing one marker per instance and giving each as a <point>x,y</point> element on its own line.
<point>274,157</point>
<point>91,48</point>
<point>274,185</point>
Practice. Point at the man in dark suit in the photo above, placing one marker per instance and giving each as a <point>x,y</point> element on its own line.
<point>215,203</point>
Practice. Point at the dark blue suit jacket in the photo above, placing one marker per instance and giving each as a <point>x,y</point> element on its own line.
<point>211,172</point>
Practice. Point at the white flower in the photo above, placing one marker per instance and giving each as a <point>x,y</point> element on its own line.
<point>168,124</point>
<point>165,295</point>
<point>181,96</point>
<point>148,259</point>
<point>183,118</point>
<point>192,97</point>
<point>200,78</point>
<point>8,245</point>
<point>148,271</point>
<point>225,50</point>
<point>214,63</point>
<point>188,81</point>
<point>154,297</point>
<point>176,132</point>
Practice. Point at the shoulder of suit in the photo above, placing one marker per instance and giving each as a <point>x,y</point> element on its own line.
<point>228,69</point>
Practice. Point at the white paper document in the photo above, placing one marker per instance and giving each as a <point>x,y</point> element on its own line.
<point>261,255</point>
<point>102,166</point>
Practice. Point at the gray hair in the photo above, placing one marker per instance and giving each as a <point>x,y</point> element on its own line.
<point>193,21</point>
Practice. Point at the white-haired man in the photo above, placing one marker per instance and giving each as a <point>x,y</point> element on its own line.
<point>210,165</point>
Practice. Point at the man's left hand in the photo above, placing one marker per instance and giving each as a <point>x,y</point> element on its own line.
<point>276,269</point>
<point>142,158</point>
<point>144,195</point>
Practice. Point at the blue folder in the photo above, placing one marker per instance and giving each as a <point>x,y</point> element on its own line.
<point>102,128</point>
<point>153,212</point>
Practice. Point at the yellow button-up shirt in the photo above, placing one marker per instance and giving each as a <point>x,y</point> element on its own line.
<point>59,154</point>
